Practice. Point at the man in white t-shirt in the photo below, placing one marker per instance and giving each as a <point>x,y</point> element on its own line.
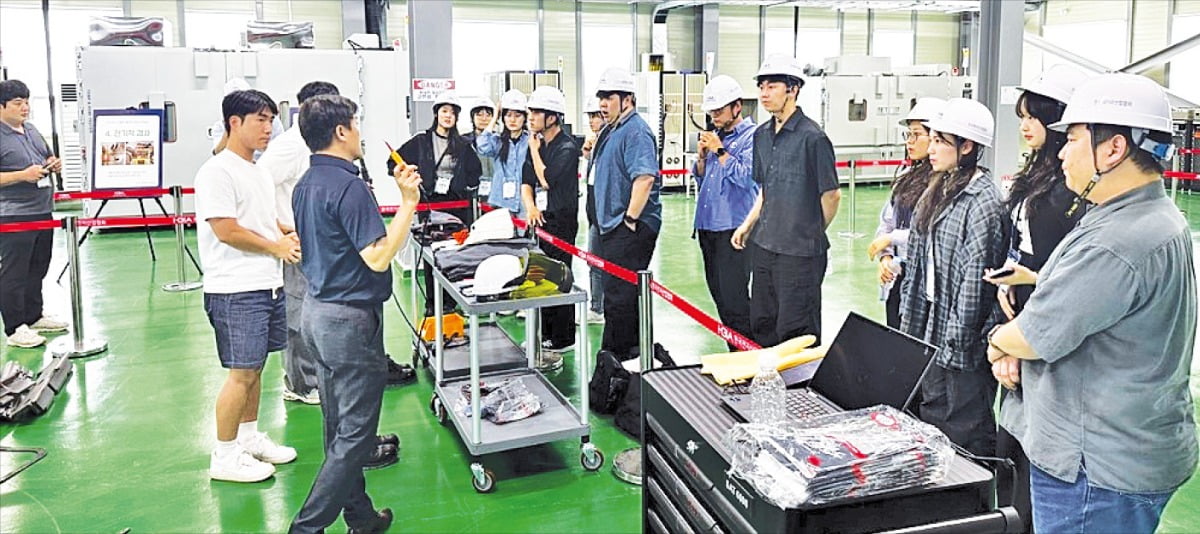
<point>241,248</point>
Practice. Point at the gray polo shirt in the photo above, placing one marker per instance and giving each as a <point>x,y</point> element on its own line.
<point>18,151</point>
<point>1113,320</point>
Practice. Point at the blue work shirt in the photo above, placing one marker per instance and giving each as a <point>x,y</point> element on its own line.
<point>623,152</point>
<point>727,191</point>
<point>508,171</point>
<point>336,217</point>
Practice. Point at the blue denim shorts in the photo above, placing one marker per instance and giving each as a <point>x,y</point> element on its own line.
<point>248,325</point>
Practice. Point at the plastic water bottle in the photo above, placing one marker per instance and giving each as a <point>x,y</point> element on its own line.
<point>768,393</point>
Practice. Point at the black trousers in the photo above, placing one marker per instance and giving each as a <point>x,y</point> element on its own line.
<point>631,250</point>
<point>558,322</point>
<point>727,271</point>
<point>785,296</point>
<point>24,261</point>
<point>960,404</point>
<point>892,305</point>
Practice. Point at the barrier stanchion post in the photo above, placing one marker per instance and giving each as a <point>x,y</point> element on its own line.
<point>853,200</point>
<point>78,345</point>
<point>180,245</point>
<point>627,466</point>
<point>474,207</point>
<point>1175,181</point>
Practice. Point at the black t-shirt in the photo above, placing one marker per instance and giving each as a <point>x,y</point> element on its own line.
<point>1048,224</point>
<point>561,157</point>
<point>795,167</point>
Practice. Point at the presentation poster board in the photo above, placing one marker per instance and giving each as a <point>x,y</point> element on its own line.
<point>127,149</point>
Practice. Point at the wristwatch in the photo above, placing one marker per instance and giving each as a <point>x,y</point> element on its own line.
<point>630,220</point>
<point>720,152</point>
<point>992,333</point>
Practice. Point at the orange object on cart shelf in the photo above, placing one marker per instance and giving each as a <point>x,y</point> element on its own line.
<point>453,326</point>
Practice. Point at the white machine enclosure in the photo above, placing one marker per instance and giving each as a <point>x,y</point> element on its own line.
<point>666,100</point>
<point>194,80</point>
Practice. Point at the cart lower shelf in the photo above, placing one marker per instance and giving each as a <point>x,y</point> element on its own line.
<point>497,352</point>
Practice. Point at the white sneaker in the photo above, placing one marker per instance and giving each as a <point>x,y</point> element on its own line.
<point>312,398</point>
<point>595,318</point>
<point>238,466</point>
<point>522,314</point>
<point>262,448</point>
<point>49,323</point>
<point>26,338</point>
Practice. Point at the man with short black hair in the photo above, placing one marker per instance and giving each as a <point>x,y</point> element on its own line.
<point>241,248</point>
<point>25,195</point>
<point>785,230</point>
<point>348,253</point>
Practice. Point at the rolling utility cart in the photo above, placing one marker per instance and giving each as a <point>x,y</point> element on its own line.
<point>490,354</point>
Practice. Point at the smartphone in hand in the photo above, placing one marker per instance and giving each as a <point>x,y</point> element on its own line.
<point>1000,273</point>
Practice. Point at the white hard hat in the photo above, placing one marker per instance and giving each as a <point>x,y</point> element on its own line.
<point>1121,99</point>
<point>491,226</point>
<point>967,119</point>
<point>616,79</point>
<point>498,274</point>
<point>720,91</point>
<point>513,99</point>
<point>781,65</point>
<point>483,102</point>
<point>1057,82</point>
<point>927,108</point>
<point>592,105</point>
<point>236,84</point>
<point>446,97</point>
<point>548,98</point>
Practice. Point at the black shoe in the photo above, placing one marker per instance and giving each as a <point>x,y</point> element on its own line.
<point>381,522</point>
<point>390,439</point>
<point>384,455</point>
<point>399,374</point>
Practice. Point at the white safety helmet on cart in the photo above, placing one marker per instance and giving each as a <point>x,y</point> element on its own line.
<point>967,119</point>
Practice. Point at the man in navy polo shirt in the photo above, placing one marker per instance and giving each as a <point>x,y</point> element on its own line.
<point>347,254</point>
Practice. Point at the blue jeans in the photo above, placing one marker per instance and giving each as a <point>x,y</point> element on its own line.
<point>1062,507</point>
<point>351,375</point>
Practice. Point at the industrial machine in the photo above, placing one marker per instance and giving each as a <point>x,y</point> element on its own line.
<point>192,81</point>
<point>522,80</point>
<point>670,104</point>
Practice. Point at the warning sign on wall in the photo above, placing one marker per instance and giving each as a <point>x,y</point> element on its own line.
<point>428,89</point>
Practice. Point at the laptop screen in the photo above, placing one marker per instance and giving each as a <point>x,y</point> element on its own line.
<point>869,364</point>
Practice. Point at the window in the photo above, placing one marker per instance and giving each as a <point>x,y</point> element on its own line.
<point>224,31</point>
<point>1185,68</point>
<point>894,44</point>
<point>481,47</point>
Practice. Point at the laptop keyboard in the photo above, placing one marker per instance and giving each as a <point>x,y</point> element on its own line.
<point>801,405</point>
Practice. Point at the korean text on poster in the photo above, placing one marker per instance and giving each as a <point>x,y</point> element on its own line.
<point>127,149</point>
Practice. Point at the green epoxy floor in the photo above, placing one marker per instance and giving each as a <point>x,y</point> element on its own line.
<point>129,438</point>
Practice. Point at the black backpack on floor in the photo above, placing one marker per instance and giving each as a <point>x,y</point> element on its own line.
<point>614,390</point>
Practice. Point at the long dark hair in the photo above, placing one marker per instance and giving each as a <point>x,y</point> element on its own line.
<point>907,188</point>
<point>944,186</point>
<point>506,137</point>
<point>1042,169</point>
<point>455,141</point>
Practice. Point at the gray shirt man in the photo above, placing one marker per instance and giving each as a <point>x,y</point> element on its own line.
<point>1113,321</point>
<point>18,151</point>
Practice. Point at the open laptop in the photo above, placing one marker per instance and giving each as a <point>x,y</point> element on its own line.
<point>867,364</point>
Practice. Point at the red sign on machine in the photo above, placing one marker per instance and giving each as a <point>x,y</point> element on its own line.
<point>428,89</point>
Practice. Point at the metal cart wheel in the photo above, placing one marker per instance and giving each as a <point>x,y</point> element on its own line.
<point>483,480</point>
<point>593,461</point>
<point>439,410</point>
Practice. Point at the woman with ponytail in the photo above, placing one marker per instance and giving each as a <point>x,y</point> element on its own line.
<point>891,237</point>
<point>958,232</point>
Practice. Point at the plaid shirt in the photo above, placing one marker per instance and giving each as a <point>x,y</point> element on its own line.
<point>968,237</point>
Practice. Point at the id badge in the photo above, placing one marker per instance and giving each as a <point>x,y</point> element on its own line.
<point>592,175</point>
<point>542,200</point>
<point>44,182</point>
<point>442,186</point>
<point>510,190</point>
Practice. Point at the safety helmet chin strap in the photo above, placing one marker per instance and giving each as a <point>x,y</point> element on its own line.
<point>1087,190</point>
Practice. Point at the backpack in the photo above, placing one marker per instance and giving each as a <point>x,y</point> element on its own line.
<point>614,390</point>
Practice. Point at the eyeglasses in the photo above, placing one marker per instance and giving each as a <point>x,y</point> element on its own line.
<point>911,135</point>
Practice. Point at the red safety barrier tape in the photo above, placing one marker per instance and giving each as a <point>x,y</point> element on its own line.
<point>429,206</point>
<point>880,162</point>
<point>119,193</point>
<point>1181,175</point>
<point>672,298</point>
<point>842,164</point>
<point>1189,151</point>
<point>673,172</point>
<point>30,226</point>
